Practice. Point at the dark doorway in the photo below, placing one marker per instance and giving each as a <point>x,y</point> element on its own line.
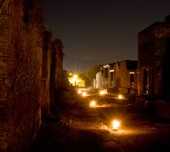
<point>146,81</point>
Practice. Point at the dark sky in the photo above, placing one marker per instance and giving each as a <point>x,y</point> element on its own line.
<point>100,31</point>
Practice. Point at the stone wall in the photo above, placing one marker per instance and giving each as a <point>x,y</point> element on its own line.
<point>31,70</point>
<point>4,83</point>
<point>58,51</point>
<point>57,74</point>
<point>46,73</point>
<point>24,91</point>
<point>123,75</point>
<point>152,47</point>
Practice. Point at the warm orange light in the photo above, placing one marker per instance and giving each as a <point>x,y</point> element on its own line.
<point>116,124</point>
<point>103,92</point>
<point>120,97</point>
<point>76,80</point>
<point>84,94</point>
<point>92,104</point>
<point>79,91</point>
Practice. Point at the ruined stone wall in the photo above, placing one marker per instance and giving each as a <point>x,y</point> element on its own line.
<point>123,77</point>
<point>20,75</point>
<point>58,49</point>
<point>56,72</point>
<point>46,73</point>
<point>5,61</point>
<point>151,49</point>
<point>31,70</point>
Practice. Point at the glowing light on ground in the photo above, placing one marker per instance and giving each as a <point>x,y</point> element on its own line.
<point>103,128</point>
<point>116,124</point>
<point>93,104</point>
<point>104,106</point>
<point>84,94</point>
<point>120,97</point>
<point>128,131</point>
<point>79,91</point>
<point>103,92</point>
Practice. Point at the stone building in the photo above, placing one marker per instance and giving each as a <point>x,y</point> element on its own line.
<point>105,77</point>
<point>98,81</point>
<point>108,75</point>
<point>154,63</point>
<point>25,73</point>
<point>126,75</point>
<point>120,75</point>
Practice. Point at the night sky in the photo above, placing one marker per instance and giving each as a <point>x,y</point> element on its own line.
<point>100,31</point>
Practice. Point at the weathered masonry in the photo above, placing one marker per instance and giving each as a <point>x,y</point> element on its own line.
<point>154,63</point>
<point>25,73</point>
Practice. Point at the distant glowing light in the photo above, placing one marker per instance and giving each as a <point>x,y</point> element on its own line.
<point>93,104</point>
<point>84,94</point>
<point>75,80</point>
<point>79,91</point>
<point>70,73</point>
<point>121,97</point>
<point>116,124</point>
<point>75,76</point>
<point>131,72</point>
<point>106,66</point>
<point>103,92</point>
<point>112,70</point>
